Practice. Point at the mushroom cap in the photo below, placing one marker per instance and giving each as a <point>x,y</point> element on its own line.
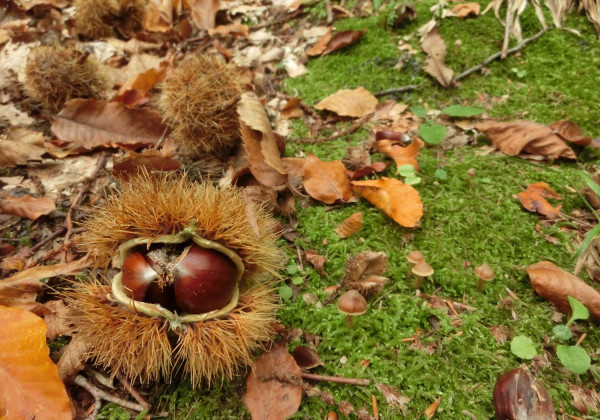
<point>352,303</point>
<point>415,257</point>
<point>422,269</point>
<point>484,272</point>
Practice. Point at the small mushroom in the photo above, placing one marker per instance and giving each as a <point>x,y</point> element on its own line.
<point>421,270</point>
<point>352,303</point>
<point>485,274</point>
<point>415,257</point>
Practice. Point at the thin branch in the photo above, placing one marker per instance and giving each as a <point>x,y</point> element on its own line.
<point>134,392</point>
<point>507,27</point>
<point>100,395</point>
<point>400,89</point>
<point>354,127</point>
<point>336,379</point>
<point>498,55</point>
<point>162,138</point>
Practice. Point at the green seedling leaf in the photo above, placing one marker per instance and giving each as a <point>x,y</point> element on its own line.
<point>432,133</point>
<point>578,310</point>
<point>286,292</point>
<point>412,180</point>
<point>441,174</point>
<point>406,170</point>
<point>297,280</point>
<point>522,347</point>
<point>292,269</point>
<point>589,237</point>
<point>591,183</point>
<point>461,111</point>
<point>562,332</point>
<point>419,110</point>
<point>574,358</point>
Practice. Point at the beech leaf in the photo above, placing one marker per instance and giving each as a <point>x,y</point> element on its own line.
<point>90,123</point>
<point>402,155</point>
<point>204,12</point>
<point>553,283</point>
<point>571,132</point>
<point>399,201</point>
<point>514,138</point>
<point>350,225</point>
<point>342,39</point>
<point>326,181</point>
<point>320,45</point>
<point>268,398</point>
<point>27,206</point>
<point>534,199</point>
<point>464,10</point>
<point>349,103</point>
<point>435,48</point>
<point>14,153</point>
<point>30,386</point>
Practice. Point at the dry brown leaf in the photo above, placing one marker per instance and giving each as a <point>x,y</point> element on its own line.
<point>350,225</point>
<point>584,399</point>
<point>516,137</point>
<point>534,199</point>
<point>158,16</point>
<point>234,29</point>
<point>204,12</point>
<point>27,206</point>
<point>554,284</point>
<point>72,358</point>
<point>362,272</point>
<point>144,81</point>
<point>571,132</point>
<point>326,181</point>
<point>260,142</point>
<point>150,160</point>
<point>500,333</point>
<point>430,411</point>
<point>393,398</point>
<point>343,39</point>
<point>89,124</point>
<point>435,48</point>
<point>402,155</point>
<point>13,153</point>
<point>57,319</point>
<point>464,10</point>
<point>293,166</point>
<point>292,109</point>
<point>320,45</point>
<point>349,102</point>
<point>268,398</point>
<point>399,201</point>
<point>29,4</point>
<point>316,260</point>
<point>30,386</point>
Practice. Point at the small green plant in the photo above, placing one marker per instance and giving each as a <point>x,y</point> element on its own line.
<point>574,358</point>
<point>433,133</point>
<point>408,172</point>
<point>285,291</point>
<point>595,231</point>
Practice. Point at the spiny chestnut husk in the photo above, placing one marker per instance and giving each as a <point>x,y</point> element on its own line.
<point>97,19</point>
<point>198,101</point>
<point>194,291</point>
<point>53,75</point>
<point>519,396</point>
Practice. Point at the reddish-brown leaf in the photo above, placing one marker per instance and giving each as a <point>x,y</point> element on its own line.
<point>430,411</point>
<point>89,123</point>
<point>554,284</point>
<point>145,81</point>
<point>464,10</point>
<point>29,4</point>
<point>571,132</point>
<point>27,206</point>
<point>268,398</point>
<point>326,181</point>
<point>584,399</point>
<point>260,142</point>
<point>316,260</point>
<point>534,199</point>
<point>343,39</point>
<point>402,155</point>
<point>72,358</point>
<point>399,201</point>
<point>435,48</point>
<point>204,12</point>
<point>349,102</point>
<point>150,160</point>
<point>30,386</point>
<point>350,225</point>
<point>516,137</point>
<point>320,45</point>
<point>158,16</point>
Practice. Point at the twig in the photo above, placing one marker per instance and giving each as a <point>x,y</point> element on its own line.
<point>336,379</point>
<point>400,89</point>
<point>162,137</point>
<point>134,392</point>
<point>507,27</point>
<point>355,126</point>
<point>47,239</point>
<point>469,414</point>
<point>498,55</point>
<point>100,395</point>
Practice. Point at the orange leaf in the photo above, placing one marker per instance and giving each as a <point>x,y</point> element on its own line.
<point>204,12</point>
<point>320,45</point>
<point>516,137</point>
<point>268,398</point>
<point>534,199</point>
<point>30,386</point>
<point>326,181</point>
<point>553,283</point>
<point>399,201</point>
<point>430,411</point>
<point>402,155</point>
<point>349,103</point>
<point>158,16</point>
<point>90,123</point>
<point>464,10</point>
<point>570,131</point>
<point>343,39</point>
<point>350,225</point>
<point>145,81</point>
<point>27,206</point>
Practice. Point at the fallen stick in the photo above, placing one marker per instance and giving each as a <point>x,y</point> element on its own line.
<point>336,379</point>
<point>100,395</point>
<point>400,89</point>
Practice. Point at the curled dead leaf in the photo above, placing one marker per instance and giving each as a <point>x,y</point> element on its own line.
<point>350,225</point>
<point>435,48</point>
<point>320,45</point>
<point>316,260</point>
<point>27,206</point>
<point>464,10</point>
<point>326,181</point>
<point>204,12</point>
<point>349,102</point>
<point>554,284</point>
<point>430,411</point>
<point>150,160</point>
<point>571,132</point>
<point>402,155</point>
<point>399,201</point>
<point>393,398</point>
<point>534,199</point>
<point>362,272</point>
<point>341,40</point>
<point>516,137</point>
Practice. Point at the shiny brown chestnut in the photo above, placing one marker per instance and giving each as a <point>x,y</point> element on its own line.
<point>519,396</point>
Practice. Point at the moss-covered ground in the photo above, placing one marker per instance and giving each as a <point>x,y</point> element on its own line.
<point>467,222</point>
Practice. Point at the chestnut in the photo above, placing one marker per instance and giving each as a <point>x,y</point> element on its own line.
<point>137,276</point>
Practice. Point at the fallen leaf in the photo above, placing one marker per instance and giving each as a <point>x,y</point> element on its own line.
<point>57,320</point>
<point>500,333</point>
<point>430,411</point>
<point>570,132</point>
<point>158,16</point>
<point>435,48</point>
<point>292,109</point>
<point>402,155</point>
<point>260,143</point>
<point>534,199</point>
<point>72,358</point>
<point>349,103</point>
<point>362,272</point>
<point>234,29</point>
<point>326,181</point>
<point>375,167</point>
<point>555,284</point>
<point>342,39</point>
<point>204,12</point>
<point>27,206</point>
<point>464,10</point>
<point>29,4</point>
<point>144,81</point>
<point>13,153</point>
<point>316,260</point>
<point>516,137</point>
<point>584,399</point>
<point>150,160</point>
<point>90,123</point>
<point>399,201</point>
<point>393,398</point>
<point>320,45</point>
<point>271,390</point>
<point>349,226</point>
<point>30,386</point>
